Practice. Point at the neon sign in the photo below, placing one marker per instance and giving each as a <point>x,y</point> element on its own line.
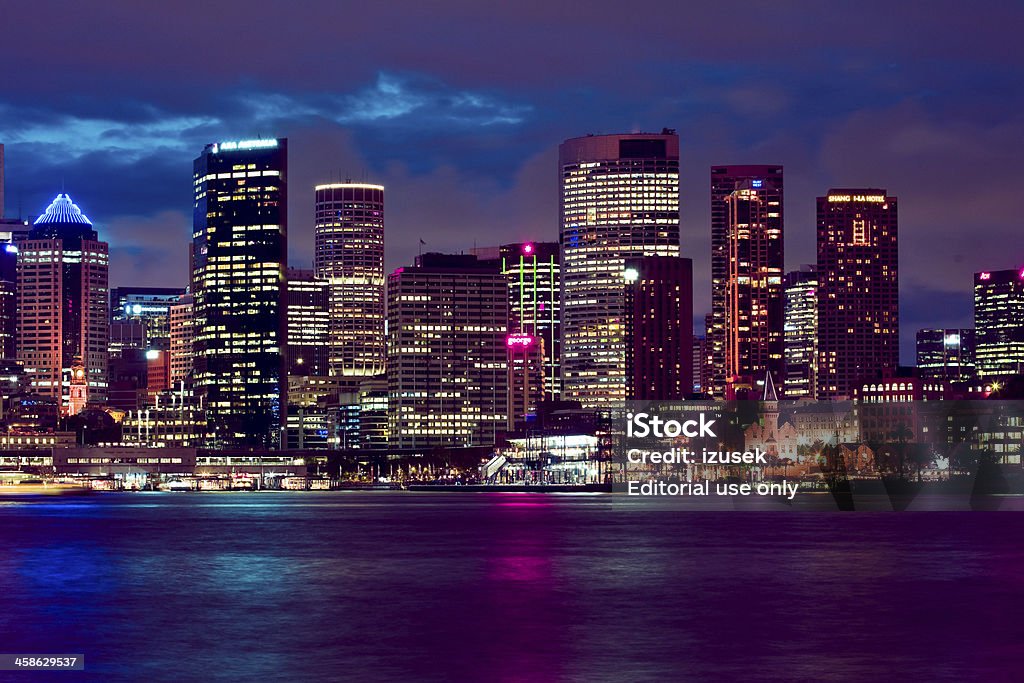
<point>244,144</point>
<point>519,341</point>
<point>869,198</point>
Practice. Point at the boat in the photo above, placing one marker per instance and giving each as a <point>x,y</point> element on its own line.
<point>26,484</point>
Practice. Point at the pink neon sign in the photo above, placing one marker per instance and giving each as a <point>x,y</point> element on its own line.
<point>519,341</point>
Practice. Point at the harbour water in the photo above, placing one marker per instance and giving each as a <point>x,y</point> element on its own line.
<point>386,586</point>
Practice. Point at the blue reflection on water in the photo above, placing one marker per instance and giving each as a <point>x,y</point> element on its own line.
<point>439,587</point>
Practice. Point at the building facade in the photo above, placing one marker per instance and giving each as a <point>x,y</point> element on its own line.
<point>8,301</point>
<point>858,288</point>
<point>800,333</point>
<point>182,337</point>
<point>619,200</point>
<point>533,273</point>
<point>308,323</point>
<point>238,285</point>
<point>63,318</point>
<point>148,305</point>
<point>659,328</point>
<point>349,256</point>
<point>446,367</point>
<point>999,322</point>
<point>946,354</point>
<point>753,287</point>
<point>764,186</point>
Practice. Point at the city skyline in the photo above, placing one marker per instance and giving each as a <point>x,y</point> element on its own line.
<point>907,98</point>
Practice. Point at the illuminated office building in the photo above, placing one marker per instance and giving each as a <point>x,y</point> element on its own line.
<point>373,413</point>
<point>238,286</point>
<point>700,373</point>
<point>149,305</point>
<point>180,315</point>
<point>999,323</point>
<point>858,289</point>
<point>946,354</point>
<point>619,200</point>
<point>753,287</point>
<point>308,323</point>
<point>533,274</point>
<point>62,304</point>
<point>8,300</point>
<point>800,333</point>
<point>659,328</point>
<point>761,188</point>
<point>12,232</point>
<point>446,369</point>
<point>349,255</point>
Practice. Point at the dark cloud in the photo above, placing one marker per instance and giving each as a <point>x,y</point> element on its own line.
<point>458,107</point>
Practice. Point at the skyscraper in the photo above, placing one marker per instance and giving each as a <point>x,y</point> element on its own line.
<point>999,322</point>
<point>753,287</point>
<point>763,186</point>
<point>800,336</point>
<point>620,200</point>
<point>63,320</point>
<point>308,323</point>
<point>182,338</point>
<point>8,301</point>
<point>946,354</point>
<point>659,328</point>
<point>858,289</point>
<point>446,369</point>
<point>533,273</point>
<point>349,255</point>
<point>700,364</point>
<point>238,286</point>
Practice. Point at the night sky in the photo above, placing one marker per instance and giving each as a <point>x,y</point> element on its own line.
<point>458,109</point>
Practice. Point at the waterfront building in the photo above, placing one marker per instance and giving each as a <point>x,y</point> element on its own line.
<point>763,185</point>
<point>659,328</point>
<point>619,200</point>
<point>533,274</point>
<point>8,301</point>
<point>181,340</point>
<point>946,354</point>
<point>700,373</point>
<point>238,288</point>
<point>800,333</point>
<point>753,286</point>
<point>308,323</point>
<point>349,256</point>
<point>858,288</point>
<point>62,275</point>
<point>373,413</point>
<point>447,358</point>
<point>999,323</point>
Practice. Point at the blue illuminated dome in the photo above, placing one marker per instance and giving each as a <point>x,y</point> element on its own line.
<point>62,220</point>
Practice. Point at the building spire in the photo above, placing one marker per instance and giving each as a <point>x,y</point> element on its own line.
<point>769,388</point>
